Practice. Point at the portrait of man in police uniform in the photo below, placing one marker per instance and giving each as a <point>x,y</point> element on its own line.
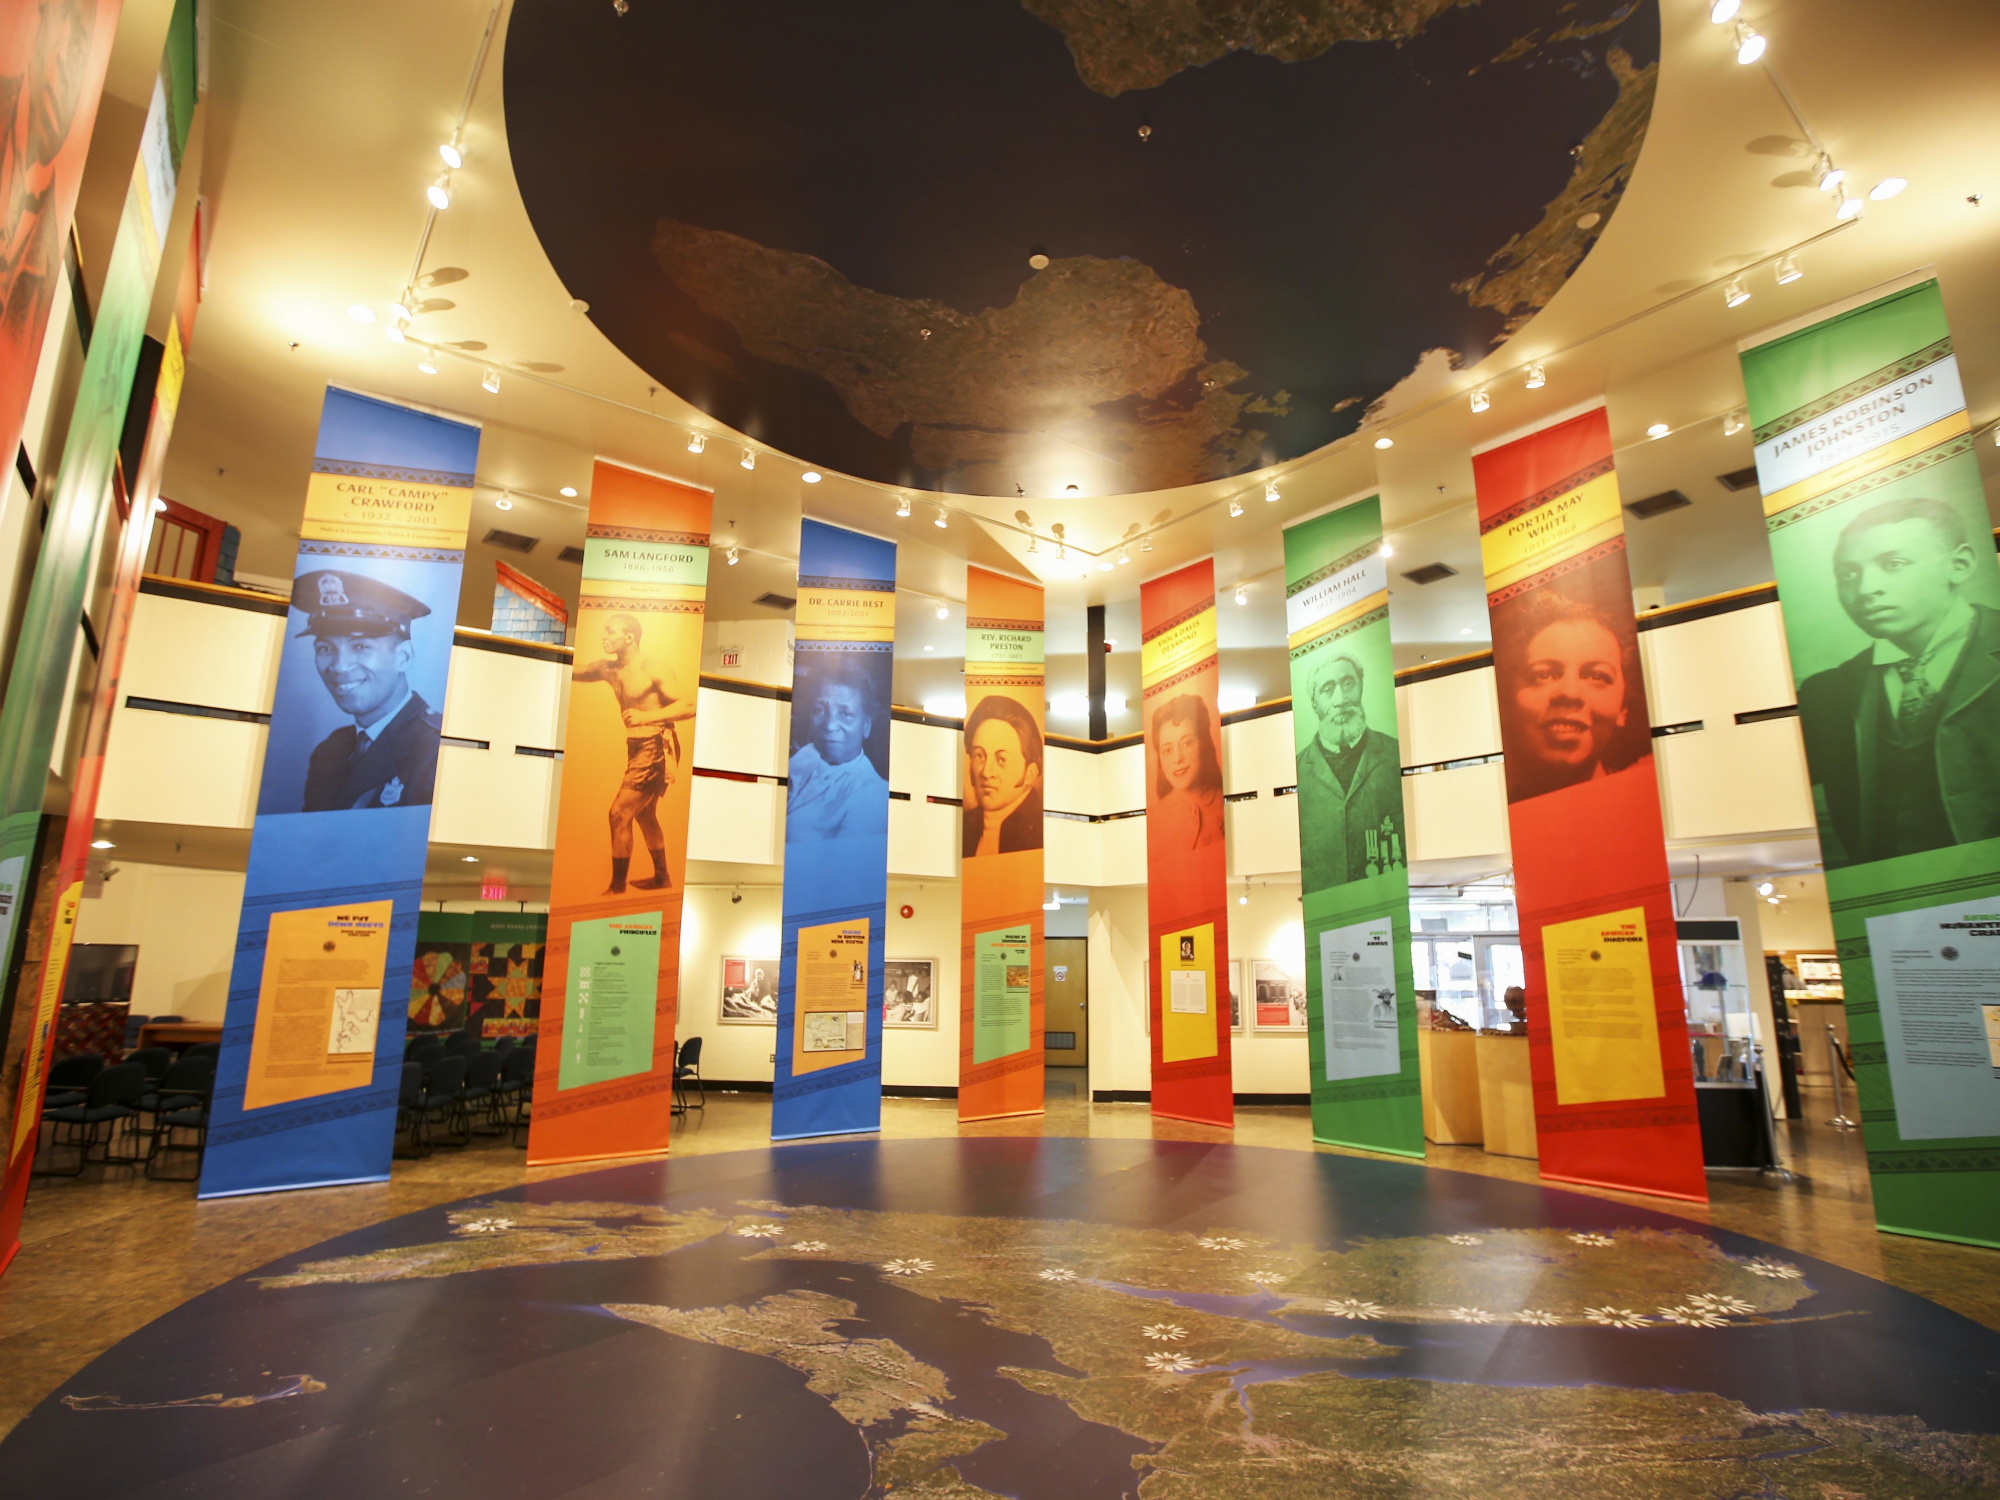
<point>1350,783</point>
<point>386,755</point>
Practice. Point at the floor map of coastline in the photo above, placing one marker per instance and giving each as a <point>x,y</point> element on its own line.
<point>966,1353</point>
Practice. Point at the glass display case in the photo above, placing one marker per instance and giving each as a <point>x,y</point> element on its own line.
<point>1723,1039</point>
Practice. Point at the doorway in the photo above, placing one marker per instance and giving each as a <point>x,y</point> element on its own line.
<point>1066,1024</point>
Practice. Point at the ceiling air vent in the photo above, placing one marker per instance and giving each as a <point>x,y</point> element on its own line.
<point>775,601</point>
<point>1659,505</point>
<point>1740,479</point>
<point>511,541</point>
<point>1430,573</point>
<point>570,555</point>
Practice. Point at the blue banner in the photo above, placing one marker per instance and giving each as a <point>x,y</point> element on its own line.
<point>828,1078</point>
<point>312,1042</point>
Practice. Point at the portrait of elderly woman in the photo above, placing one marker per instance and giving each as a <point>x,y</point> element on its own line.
<point>1350,782</point>
<point>1186,810</point>
<point>1003,778</point>
<point>1572,704</point>
<point>841,728</point>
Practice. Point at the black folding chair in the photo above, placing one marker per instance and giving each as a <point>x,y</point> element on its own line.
<point>410,1112</point>
<point>155,1060</point>
<point>444,1104</point>
<point>210,1050</point>
<point>518,1073</point>
<point>179,1106</point>
<point>482,1094</point>
<point>69,1081</point>
<point>687,1064</point>
<point>108,1112</point>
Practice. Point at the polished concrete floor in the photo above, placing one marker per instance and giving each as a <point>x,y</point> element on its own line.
<point>105,1254</point>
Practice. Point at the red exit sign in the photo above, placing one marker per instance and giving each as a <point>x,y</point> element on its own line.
<point>493,885</point>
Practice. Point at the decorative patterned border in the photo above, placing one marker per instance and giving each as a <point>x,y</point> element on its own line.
<point>1562,569</point>
<point>1930,354</point>
<point>1536,501</point>
<point>1854,489</point>
<point>1337,566</point>
<point>1299,653</point>
<point>354,470</point>
<point>637,534</point>
<point>318,547</point>
<point>852,585</point>
<point>1193,611</point>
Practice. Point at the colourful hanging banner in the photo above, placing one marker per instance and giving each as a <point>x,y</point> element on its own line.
<point>1360,995</point>
<point>1882,541</point>
<point>1607,1023</point>
<point>52,58</point>
<point>45,982</point>
<point>1000,949</point>
<point>1187,866</point>
<point>312,1057</point>
<point>828,1075</point>
<point>604,1066</point>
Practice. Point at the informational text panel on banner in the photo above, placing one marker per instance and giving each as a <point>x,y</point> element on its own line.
<point>1000,950</point>
<point>1883,545</point>
<point>305,1092</point>
<point>1607,1022</point>
<point>828,1074</point>
<point>1187,866</point>
<point>610,978</point>
<point>1360,996</point>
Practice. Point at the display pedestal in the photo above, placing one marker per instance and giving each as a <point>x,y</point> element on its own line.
<point>1506,1095</point>
<point>1450,1064</point>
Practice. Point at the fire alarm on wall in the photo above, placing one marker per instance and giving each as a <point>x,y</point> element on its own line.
<point>908,911</point>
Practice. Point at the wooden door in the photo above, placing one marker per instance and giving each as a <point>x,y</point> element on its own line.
<point>1068,1024</point>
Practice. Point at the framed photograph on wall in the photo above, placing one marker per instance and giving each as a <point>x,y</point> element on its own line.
<point>749,992</point>
<point>1236,966</point>
<point>1278,997</point>
<point>909,992</point>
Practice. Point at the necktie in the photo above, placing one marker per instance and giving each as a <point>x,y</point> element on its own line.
<point>1918,694</point>
<point>361,744</point>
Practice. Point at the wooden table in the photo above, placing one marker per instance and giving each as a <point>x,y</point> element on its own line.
<point>1450,1072</point>
<point>1506,1095</point>
<point>179,1035</point>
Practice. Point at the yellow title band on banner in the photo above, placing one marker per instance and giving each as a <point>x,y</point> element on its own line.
<point>1339,621</point>
<point>1175,650</point>
<point>386,512</point>
<point>846,615</point>
<point>1569,524</point>
<point>1941,431</point>
<point>610,590</point>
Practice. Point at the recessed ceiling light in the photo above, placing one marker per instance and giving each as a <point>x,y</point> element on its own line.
<point>1735,294</point>
<point>1387,550</point>
<point>1788,270</point>
<point>468,859</point>
<point>811,476</point>
<point>1385,442</point>
<point>1466,631</point>
<point>568,492</point>
<point>361,312</point>
<point>930,648</point>
<point>1658,430</point>
<point>1888,187</point>
<point>943,612</point>
<point>1039,261</point>
<point>1104,565</point>
<point>439,193</point>
<point>102,844</point>
<point>452,155</point>
<point>427,366</point>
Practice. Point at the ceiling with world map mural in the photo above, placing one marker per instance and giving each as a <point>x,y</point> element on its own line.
<point>1009,247</point>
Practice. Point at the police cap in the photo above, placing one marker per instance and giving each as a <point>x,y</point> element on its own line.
<point>337,603</point>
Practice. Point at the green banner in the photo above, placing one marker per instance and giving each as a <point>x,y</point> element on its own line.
<point>1891,594</point>
<point>38,683</point>
<point>1361,1003</point>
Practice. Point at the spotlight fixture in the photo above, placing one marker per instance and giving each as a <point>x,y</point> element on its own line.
<point>732,557</point>
<point>1031,543</point>
<point>1244,899</point>
<point>1054,903</point>
<point>1146,543</point>
<point>1847,208</point>
<point>1658,430</point>
<point>1788,270</point>
<point>1480,400</point>
<point>1724,11</point>
<point>1749,44</point>
<point>505,502</point>
<point>361,312</point>
<point>1537,377</point>
<point>1764,887</point>
<point>697,441</point>
<point>1734,422</point>
<point>1387,550</point>
<point>1104,565</point>
<point>102,844</point>
<point>1124,556</point>
<point>1888,187</point>
<point>749,459</point>
<point>452,153</point>
<point>811,476</point>
<point>942,521</point>
<point>159,507</point>
<point>401,311</point>
<point>1735,294</point>
<point>1270,491</point>
<point>427,365</point>
<point>1830,176</point>
<point>489,381</point>
<point>439,192</point>
<point>1242,594</point>
<point>623,7</point>
<point>1236,507</point>
<point>930,648</point>
<point>1385,442</point>
<point>902,505</point>
<point>393,333</point>
<point>568,492</point>
<point>943,612</point>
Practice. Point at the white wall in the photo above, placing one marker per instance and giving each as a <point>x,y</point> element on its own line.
<point>184,923</point>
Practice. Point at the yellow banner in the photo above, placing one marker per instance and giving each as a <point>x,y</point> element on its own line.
<point>319,1003</point>
<point>386,512</point>
<point>1941,431</point>
<point>846,615</point>
<point>1187,993</point>
<point>1569,524</point>
<point>1604,1034</point>
<point>830,1019</point>
<point>1360,609</point>
<point>62,932</point>
<point>1176,649</point>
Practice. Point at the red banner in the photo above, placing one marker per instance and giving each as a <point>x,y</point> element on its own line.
<point>1607,1028</point>
<point>604,1062</point>
<point>1187,866</point>
<point>1000,1053</point>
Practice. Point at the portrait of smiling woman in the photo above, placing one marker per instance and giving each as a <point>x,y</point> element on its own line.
<point>1187,774</point>
<point>1572,702</point>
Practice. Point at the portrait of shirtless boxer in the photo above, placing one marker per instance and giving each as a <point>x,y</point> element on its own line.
<point>652,748</point>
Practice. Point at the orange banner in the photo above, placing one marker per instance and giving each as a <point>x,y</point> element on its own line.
<point>1000,949</point>
<point>611,971</point>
